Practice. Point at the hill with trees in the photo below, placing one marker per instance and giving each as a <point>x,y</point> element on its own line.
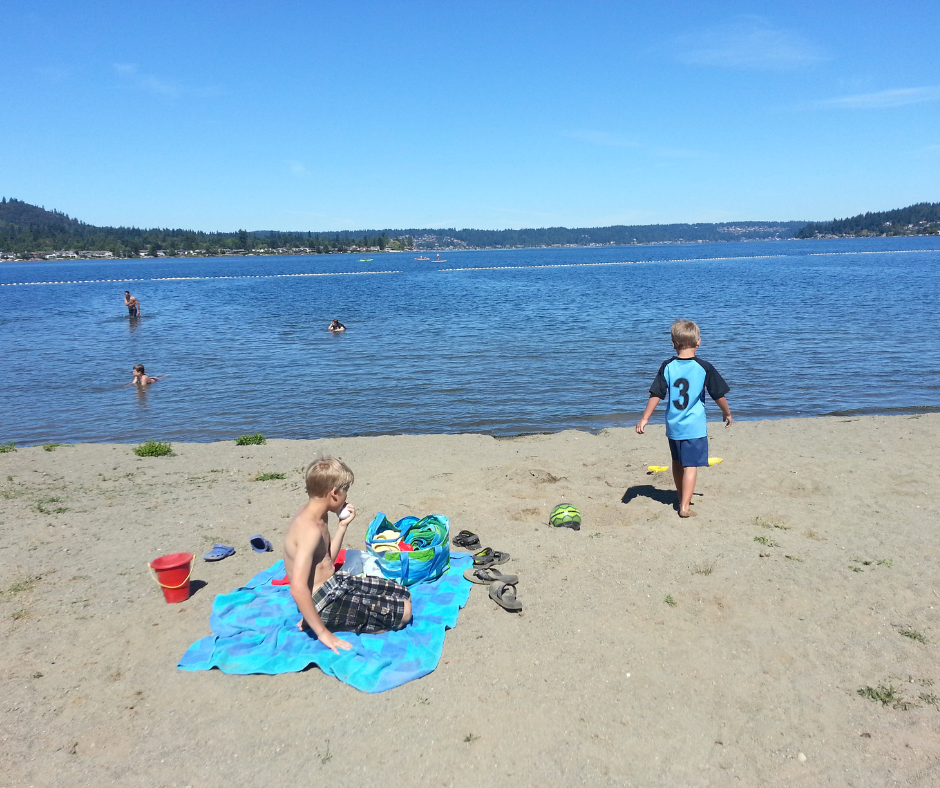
<point>28,231</point>
<point>920,219</point>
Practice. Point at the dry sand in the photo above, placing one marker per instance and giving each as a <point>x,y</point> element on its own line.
<point>750,678</point>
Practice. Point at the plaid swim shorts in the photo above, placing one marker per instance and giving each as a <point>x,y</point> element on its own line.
<point>349,603</point>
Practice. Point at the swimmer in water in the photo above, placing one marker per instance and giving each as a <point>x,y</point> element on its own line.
<point>141,378</point>
<point>336,327</point>
<point>133,305</point>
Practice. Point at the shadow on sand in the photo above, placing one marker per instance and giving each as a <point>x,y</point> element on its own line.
<point>668,497</point>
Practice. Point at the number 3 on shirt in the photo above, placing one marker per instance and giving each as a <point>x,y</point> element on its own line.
<point>683,385</point>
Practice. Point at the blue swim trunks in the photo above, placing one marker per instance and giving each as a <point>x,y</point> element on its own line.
<point>691,453</point>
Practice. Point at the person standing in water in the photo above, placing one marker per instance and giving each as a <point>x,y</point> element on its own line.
<point>133,305</point>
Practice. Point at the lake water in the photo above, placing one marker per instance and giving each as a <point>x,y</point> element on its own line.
<point>497,342</point>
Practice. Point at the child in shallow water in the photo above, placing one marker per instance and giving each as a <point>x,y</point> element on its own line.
<point>141,378</point>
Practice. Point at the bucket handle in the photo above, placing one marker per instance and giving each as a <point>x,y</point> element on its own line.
<point>153,574</point>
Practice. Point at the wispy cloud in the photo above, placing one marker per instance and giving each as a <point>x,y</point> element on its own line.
<point>131,76</point>
<point>606,138</point>
<point>884,99</point>
<point>748,42</point>
<point>611,139</point>
<point>297,168</point>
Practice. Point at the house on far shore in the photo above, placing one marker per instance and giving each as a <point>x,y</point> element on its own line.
<point>98,255</point>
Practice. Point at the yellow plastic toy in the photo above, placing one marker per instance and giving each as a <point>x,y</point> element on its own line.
<point>661,468</point>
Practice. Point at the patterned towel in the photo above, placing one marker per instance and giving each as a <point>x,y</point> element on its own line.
<point>256,632</point>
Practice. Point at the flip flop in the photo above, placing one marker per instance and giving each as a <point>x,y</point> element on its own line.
<point>489,575</point>
<point>260,545</point>
<point>218,552</point>
<point>467,539</point>
<point>504,595</point>
<point>489,557</point>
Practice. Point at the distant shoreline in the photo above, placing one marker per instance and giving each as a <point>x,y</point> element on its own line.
<point>309,253</point>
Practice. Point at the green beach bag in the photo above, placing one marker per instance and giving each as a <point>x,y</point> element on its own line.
<point>429,542</point>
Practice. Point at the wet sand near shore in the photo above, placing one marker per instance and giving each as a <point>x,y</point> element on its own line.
<point>728,649</point>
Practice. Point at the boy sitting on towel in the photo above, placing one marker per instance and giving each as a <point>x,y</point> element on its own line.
<point>327,599</point>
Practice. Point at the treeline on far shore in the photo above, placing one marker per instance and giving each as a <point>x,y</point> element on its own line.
<point>28,231</point>
<point>130,242</point>
<point>922,218</point>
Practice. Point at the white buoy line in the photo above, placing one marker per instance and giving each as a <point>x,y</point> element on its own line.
<point>195,278</point>
<point>679,260</point>
<point>622,262</point>
<point>468,268</point>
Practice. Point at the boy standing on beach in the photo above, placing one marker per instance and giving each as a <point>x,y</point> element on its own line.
<point>682,381</point>
<point>327,599</point>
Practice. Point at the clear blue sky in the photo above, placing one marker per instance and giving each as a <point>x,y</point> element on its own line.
<point>302,115</point>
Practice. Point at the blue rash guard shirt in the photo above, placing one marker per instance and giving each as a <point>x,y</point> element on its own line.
<point>682,383</point>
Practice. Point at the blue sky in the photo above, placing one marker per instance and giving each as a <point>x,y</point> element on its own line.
<point>300,115</point>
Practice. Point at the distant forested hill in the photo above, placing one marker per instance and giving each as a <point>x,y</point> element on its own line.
<point>22,214</point>
<point>27,230</point>
<point>920,219</point>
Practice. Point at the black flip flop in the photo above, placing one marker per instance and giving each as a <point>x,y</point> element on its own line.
<point>467,540</point>
<point>489,575</point>
<point>489,557</point>
<point>504,595</point>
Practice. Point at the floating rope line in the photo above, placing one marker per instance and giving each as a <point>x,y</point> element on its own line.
<point>468,268</point>
<point>195,278</point>
<point>680,260</point>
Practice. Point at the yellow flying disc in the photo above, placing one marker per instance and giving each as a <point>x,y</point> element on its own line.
<point>713,461</point>
<point>658,468</point>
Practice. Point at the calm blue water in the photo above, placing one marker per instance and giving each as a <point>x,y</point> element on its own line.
<point>797,328</point>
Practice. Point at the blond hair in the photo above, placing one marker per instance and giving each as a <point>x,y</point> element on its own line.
<point>325,474</point>
<point>685,334</point>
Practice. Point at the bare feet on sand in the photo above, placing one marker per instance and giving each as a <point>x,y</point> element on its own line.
<point>687,513</point>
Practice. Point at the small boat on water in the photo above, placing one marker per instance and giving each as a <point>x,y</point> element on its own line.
<point>365,259</point>
<point>422,258</point>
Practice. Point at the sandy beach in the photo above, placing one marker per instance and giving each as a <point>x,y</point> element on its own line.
<point>724,650</point>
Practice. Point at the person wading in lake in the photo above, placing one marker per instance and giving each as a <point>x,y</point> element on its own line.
<point>133,305</point>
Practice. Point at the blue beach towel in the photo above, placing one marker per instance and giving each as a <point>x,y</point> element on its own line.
<point>256,632</point>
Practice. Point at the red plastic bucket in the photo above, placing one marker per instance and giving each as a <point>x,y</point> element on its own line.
<point>171,573</point>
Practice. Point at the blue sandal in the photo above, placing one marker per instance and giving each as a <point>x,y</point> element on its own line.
<point>260,545</point>
<point>218,552</point>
